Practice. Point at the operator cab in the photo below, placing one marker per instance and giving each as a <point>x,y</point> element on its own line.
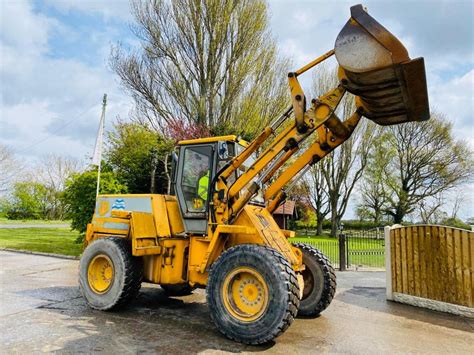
<point>198,162</point>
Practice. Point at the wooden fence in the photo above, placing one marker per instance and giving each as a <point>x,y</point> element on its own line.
<point>431,266</point>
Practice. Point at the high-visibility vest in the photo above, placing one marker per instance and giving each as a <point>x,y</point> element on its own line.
<point>203,186</point>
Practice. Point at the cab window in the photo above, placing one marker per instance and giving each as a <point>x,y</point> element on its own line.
<point>196,177</point>
<point>257,198</point>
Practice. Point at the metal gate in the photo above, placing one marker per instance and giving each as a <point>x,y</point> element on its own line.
<point>353,250</point>
<point>328,247</point>
<point>365,249</point>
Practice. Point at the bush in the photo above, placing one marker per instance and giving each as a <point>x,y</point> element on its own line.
<point>454,222</point>
<point>29,200</point>
<point>357,225</point>
<point>134,152</point>
<point>307,220</point>
<point>80,196</point>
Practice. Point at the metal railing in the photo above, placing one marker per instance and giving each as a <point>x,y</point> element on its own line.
<point>353,250</point>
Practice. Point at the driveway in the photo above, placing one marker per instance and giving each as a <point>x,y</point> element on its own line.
<point>41,311</point>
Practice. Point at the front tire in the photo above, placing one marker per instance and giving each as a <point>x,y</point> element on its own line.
<point>252,294</point>
<point>109,276</point>
<point>319,282</point>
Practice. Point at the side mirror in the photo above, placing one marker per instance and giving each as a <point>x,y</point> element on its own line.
<point>174,166</point>
<point>174,157</point>
<point>222,150</point>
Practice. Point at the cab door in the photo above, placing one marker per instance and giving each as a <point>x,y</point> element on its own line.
<point>194,174</point>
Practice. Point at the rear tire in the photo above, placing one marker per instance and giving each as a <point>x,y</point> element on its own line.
<point>319,279</point>
<point>109,276</point>
<point>252,293</point>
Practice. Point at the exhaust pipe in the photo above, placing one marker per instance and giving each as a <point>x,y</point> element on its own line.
<point>375,66</point>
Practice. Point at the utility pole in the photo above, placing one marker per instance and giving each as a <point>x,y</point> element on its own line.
<point>97,158</point>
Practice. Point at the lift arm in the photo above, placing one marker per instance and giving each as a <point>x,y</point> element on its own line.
<point>325,143</point>
<point>320,117</point>
<point>389,88</point>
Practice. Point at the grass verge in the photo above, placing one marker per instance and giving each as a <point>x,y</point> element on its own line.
<point>45,240</point>
<point>62,241</point>
<point>5,221</point>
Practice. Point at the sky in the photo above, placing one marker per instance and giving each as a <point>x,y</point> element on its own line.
<point>54,62</point>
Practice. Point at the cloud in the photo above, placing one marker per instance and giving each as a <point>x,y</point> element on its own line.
<point>29,137</point>
<point>107,9</point>
<point>446,33</point>
<point>454,99</point>
<point>440,29</point>
<point>20,30</point>
<point>51,104</point>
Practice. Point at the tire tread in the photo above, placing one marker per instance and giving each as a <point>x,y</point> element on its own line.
<point>330,283</point>
<point>133,274</point>
<point>292,289</point>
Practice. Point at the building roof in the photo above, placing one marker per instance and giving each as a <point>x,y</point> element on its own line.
<point>287,208</point>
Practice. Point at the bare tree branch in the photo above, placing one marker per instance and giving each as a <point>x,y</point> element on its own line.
<point>10,169</point>
<point>343,168</point>
<point>210,63</point>
<point>429,161</point>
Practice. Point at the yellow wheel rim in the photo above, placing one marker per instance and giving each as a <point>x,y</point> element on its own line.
<point>100,273</point>
<point>245,294</point>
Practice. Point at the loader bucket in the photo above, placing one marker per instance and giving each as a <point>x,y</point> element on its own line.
<point>375,66</point>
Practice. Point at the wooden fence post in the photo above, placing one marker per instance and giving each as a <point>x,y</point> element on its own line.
<point>388,264</point>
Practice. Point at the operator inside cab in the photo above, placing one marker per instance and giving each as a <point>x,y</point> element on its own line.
<point>203,186</point>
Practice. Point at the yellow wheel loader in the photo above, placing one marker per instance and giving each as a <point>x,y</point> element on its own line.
<point>216,230</point>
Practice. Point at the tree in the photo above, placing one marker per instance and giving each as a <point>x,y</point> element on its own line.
<point>363,213</point>
<point>138,156</point>
<point>455,222</point>
<point>343,168</point>
<point>10,168</point>
<point>212,63</point>
<point>53,171</point>
<point>306,220</point>
<point>306,216</point>
<point>428,161</point>
<point>459,198</point>
<point>318,198</point>
<point>443,208</point>
<point>373,190</point>
<point>178,131</point>
<point>430,209</point>
<point>79,195</point>
<point>29,200</point>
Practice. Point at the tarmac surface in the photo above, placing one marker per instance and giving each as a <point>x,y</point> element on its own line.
<point>41,310</point>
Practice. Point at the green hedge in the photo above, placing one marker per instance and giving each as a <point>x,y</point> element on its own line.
<point>364,225</point>
<point>356,224</point>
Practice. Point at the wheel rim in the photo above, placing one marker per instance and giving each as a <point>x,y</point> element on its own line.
<point>100,273</point>
<point>308,283</point>
<point>313,277</point>
<point>245,294</point>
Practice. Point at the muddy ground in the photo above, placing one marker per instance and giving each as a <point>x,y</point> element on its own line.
<point>41,310</point>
